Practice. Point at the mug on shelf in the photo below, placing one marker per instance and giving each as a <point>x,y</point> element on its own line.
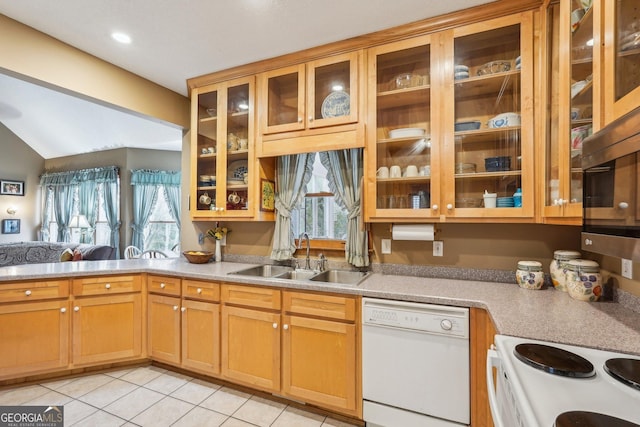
<point>425,170</point>
<point>382,172</point>
<point>233,198</point>
<point>243,143</point>
<point>205,199</point>
<point>395,171</point>
<point>490,200</point>
<point>411,171</point>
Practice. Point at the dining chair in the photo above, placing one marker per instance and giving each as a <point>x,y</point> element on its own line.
<point>153,254</point>
<point>131,252</point>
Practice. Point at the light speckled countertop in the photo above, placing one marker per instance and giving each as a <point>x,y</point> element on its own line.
<point>545,314</point>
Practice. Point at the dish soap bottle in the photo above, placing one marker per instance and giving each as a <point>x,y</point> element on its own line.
<point>517,199</point>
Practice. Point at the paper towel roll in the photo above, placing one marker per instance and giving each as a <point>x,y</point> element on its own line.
<point>413,232</point>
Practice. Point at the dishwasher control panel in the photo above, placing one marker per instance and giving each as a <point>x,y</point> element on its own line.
<point>428,318</point>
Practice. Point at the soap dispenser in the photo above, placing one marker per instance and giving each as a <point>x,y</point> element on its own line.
<point>517,199</point>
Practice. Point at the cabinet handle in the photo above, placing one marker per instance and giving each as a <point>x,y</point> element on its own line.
<point>162,286</point>
<point>588,242</point>
<point>199,290</point>
<point>183,309</point>
<point>285,326</point>
<point>76,308</point>
<point>449,206</point>
<point>275,325</point>
<point>27,292</point>
<point>175,308</point>
<point>108,286</point>
<point>623,205</point>
<point>63,310</point>
<point>434,207</point>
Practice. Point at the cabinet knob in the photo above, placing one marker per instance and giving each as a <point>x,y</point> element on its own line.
<point>199,290</point>
<point>27,292</point>
<point>220,209</point>
<point>108,286</point>
<point>623,205</point>
<point>449,206</point>
<point>310,118</point>
<point>162,286</point>
<point>299,119</point>
<point>183,309</point>
<point>76,308</point>
<point>275,325</point>
<point>285,326</point>
<point>434,207</point>
<point>63,310</point>
<point>175,308</point>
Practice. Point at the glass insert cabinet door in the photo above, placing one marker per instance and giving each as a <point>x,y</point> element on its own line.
<point>400,86</point>
<point>491,155</point>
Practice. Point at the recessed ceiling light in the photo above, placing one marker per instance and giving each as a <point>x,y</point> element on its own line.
<point>121,37</point>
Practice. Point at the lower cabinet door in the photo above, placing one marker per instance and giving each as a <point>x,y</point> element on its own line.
<point>163,326</point>
<point>319,362</point>
<point>201,336</point>
<point>251,347</point>
<point>34,337</point>
<point>107,329</point>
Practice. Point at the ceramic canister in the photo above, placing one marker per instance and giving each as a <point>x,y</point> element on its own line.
<point>558,267</point>
<point>584,282</point>
<point>529,274</point>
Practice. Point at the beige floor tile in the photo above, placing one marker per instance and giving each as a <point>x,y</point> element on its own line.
<point>201,417</point>
<point>234,422</point>
<point>19,395</point>
<point>168,382</point>
<point>164,413</point>
<point>330,422</point>
<point>108,393</point>
<point>143,375</point>
<point>195,391</point>
<point>134,403</point>
<point>75,411</point>
<point>226,400</point>
<point>51,398</point>
<point>294,417</point>
<point>120,372</point>
<point>83,385</point>
<point>259,411</point>
<point>100,419</point>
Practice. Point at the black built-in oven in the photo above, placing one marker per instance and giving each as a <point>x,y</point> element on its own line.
<point>611,224</point>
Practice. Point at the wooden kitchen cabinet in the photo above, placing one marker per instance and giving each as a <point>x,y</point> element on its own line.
<point>34,327</point>
<point>409,80</point>
<point>481,339</point>
<point>300,104</point>
<point>163,325</point>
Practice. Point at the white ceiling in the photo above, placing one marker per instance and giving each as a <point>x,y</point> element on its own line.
<point>171,42</point>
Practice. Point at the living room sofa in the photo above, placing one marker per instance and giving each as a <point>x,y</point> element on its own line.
<point>41,252</point>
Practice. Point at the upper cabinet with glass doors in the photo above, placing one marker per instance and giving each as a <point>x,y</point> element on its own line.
<point>222,151</point>
<point>621,57</point>
<point>307,100</point>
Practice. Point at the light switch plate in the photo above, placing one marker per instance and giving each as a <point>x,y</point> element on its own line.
<point>438,248</point>
<point>386,246</point>
<point>627,268</point>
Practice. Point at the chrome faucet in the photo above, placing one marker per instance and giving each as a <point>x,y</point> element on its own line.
<point>307,261</point>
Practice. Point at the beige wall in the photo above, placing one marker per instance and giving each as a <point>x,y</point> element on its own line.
<point>19,162</point>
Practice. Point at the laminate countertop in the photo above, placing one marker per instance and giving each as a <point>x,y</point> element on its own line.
<point>545,314</point>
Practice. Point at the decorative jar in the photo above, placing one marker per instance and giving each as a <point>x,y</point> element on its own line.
<point>584,282</point>
<point>558,267</point>
<point>529,274</point>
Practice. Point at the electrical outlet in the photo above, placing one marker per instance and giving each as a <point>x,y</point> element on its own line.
<point>627,268</point>
<point>386,246</point>
<point>438,248</point>
<point>201,239</point>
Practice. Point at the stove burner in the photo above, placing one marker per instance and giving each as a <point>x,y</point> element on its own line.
<point>554,360</point>
<point>590,419</point>
<point>627,371</point>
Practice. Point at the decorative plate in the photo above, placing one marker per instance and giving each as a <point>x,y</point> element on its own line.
<point>337,104</point>
<point>237,169</point>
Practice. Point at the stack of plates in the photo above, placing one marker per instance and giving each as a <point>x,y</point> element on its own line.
<point>504,202</point>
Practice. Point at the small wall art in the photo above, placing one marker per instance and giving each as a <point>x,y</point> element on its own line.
<point>10,226</point>
<point>267,195</point>
<point>11,188</point>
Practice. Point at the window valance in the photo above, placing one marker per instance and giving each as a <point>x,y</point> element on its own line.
<point>102,174</point>
<point>155,177</point>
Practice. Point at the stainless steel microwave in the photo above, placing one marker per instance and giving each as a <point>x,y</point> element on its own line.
<point>611,199</point>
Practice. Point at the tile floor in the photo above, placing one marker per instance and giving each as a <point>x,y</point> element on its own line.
<point>153,396</point>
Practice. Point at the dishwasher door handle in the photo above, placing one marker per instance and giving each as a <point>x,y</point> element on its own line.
<point>493,361</point>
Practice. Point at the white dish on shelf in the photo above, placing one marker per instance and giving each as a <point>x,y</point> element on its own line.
<point>337,104</point>
<point>236,170</point>
<point>406,133</point>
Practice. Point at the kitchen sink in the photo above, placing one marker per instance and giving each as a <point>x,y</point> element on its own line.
<point>266,270</point>
<point>297,275</point>
<point>346,277</point>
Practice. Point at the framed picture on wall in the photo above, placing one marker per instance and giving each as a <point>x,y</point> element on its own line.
<point>11,188</point>
<point>267,195</point>
<point>10,226</point>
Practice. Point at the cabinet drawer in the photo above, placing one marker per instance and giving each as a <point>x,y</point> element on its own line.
<point>197,289</point>
<point>251,296</point>
<point>163,285</point>
<point>329,306</point>
<point>106,285</point>
<point>37,290</point>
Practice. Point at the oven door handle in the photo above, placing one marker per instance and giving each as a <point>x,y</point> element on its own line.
<point>493,361</point>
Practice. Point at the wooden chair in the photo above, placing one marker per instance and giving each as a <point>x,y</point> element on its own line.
<point>131,252</point>
<point>152,254</point>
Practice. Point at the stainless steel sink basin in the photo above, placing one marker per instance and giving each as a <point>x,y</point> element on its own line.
<point>346,277</point>
<point>263,271</point>
<point>297,275</point>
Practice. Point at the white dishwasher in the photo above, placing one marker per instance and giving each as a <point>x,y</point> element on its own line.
<point>415,364</point>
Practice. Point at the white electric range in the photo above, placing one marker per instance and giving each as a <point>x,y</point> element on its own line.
<point>529,396</point>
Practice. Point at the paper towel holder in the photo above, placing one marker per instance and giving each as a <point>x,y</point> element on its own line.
<point>421,232</point>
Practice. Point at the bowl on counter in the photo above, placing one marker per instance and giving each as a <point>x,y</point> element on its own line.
<point>470,125</point>
<point>198,257</point>
<point>497,164</point>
